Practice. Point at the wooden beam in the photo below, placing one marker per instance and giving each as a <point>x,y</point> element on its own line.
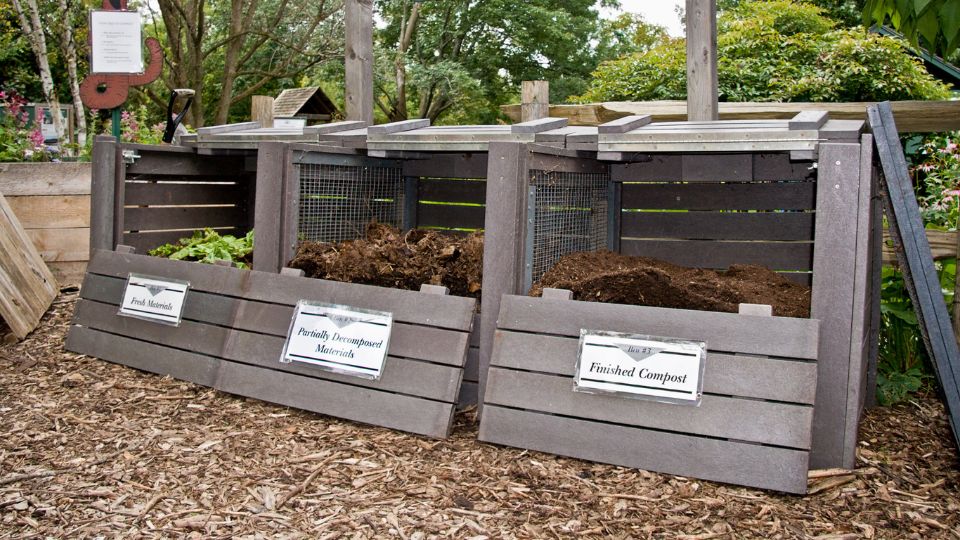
<point>261,112</point>
<point>535,97</point>
<point>702,81</point>
<point>911,116</point>
<point>359,60</point>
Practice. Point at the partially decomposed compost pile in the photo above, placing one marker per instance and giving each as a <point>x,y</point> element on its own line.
<point>604,276</point>
<point>387,257</point>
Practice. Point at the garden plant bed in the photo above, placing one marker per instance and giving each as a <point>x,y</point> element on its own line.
<point>387,257</point>
<point>605,276</point>
<point>89,448</point>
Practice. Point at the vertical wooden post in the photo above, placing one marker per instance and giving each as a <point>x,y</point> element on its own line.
<point>702,94</point>
<point>268,210</point>
<point>103,183</point>
<point>359,60</point>
<point>534,100</point>
<point>261,110</point>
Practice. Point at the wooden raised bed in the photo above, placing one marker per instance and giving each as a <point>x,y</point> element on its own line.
<point>802,203</point>
<point>235,323</point>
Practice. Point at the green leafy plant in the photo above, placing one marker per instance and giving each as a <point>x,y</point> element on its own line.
<point>936,174</point>
<point>17,141</point>
<point>902,360</point>
<point>207,246</point>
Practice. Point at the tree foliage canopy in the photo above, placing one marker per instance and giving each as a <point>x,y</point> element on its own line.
<point>932,24</point>
<point>778,50</point>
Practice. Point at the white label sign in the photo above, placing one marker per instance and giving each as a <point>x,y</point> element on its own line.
<point>339,338</point>
<point>639,366</point>
<point>154,299</point>
<point>116,45</point>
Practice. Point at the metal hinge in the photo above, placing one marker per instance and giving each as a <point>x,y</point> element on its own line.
<point>130,156</point>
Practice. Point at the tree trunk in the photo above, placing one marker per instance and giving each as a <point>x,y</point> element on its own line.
<point>231,56</point>
<point>400,64</point>
<point>33,30</point>
<point>70,51</point>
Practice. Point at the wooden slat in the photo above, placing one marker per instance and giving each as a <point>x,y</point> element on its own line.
<point>431,381</point>
<point>52,211</point>
<point>407,306</point>
<point>734,375</point>
<point>450,216</point>
<point>718,225</point>
<point>408,341</point>
<point>728,332</point>
<point>26,179</point>
<point>460,191</point>
<point>61,245</point>
<point>26,285</point>
<point>184,217</point>
<point>183,194</point>
<point>396,411</point>
<point>711,459</point>
<point>702,72</point>
<point>157,162</point>
<point>746,420</point>
<point>471,165</point>
<point>730,196</point>
<point>713,254</point>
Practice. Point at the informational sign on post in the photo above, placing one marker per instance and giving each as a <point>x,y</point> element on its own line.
<point>339,338</point>
<point>116,45</point>
<point>640,366</point>
<point>154,299</point>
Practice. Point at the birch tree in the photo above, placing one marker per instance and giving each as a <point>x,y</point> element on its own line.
<point>33,30</point>
<point>70,54</point>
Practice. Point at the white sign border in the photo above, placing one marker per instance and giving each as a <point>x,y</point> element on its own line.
<point>147,316</point>
<point>639,396</point>
<point>324,367</point>
<point>93,43</point>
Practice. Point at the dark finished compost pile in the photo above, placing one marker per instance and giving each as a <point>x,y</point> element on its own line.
<point>387,257</point>
<point>604,276</point>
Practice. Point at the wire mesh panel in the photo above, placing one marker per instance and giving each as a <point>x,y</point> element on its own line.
<point>338,201</point>
<point>570,214</point>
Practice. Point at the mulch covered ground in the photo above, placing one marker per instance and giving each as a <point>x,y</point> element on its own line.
<point>90,449</point>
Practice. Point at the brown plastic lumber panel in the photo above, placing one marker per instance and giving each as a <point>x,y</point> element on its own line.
<point>168,161</point>
<point>269,206</point>
<point>728,332</point>
<point>400,375</point>
<point>407,306</point>
<point>103,181</point>
<point>180,194</point>
<point>913,253</point>
<point>395,411</point>
<point>724,167</point>
<point>153,358</point>
<point>183,217</point>
<point>409,341</point>
<point>750,420</point>
<point>468,394</point>
<point>452,216</point>
<point>471,165</point>
<point>471,369</point>
<point>832,298</point>
<point>754,377</point>
<point>765,467</point>
<point>713,254</point>
<point>450,190</point>
<point>730,196</point>
<point>699,225</point>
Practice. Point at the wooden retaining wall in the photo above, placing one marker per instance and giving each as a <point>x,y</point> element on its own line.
<point>235,324</point>
<point>52,202</point>
<point>752,428</point>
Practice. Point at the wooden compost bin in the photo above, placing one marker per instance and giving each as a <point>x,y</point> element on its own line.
<point>796,196</point>
<point>407,174</point>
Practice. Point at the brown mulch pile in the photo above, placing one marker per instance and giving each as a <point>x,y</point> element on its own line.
<point>605,276</point>
<point>90,449</point>
<point>387,257</point>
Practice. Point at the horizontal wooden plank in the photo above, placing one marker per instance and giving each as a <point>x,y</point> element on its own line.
<point>27,179</point>
<point>450,216</point>
<point>709,168</point>
<point>446,190</point>
<point>726,332</point>
<point>409,341</point>
<point>395,411</point>
<point>61,245</point>
<point>184,217</point>
<point>68,274</point>
<point>52,211</point>
<point>747,420</point>
<point>699,225</point>
<point>733,375</point>
<point>160,162</point>
<point>710,459</point>
<point>715,254</point>
<point>166,193</point>
<point>727,196</point>
<point>143,242</point>
<point>469,165</point>
<point>407,306</point>
<point>422,379</point>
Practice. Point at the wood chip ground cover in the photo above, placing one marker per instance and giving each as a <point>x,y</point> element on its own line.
<point>90,449</point>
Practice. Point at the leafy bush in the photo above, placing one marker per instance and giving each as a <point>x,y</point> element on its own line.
<point>208,246</point>
<point>936,174</point>
<point>779,50</point>
<point>17,143</point>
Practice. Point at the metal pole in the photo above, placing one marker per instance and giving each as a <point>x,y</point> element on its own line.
<point>115,122</point>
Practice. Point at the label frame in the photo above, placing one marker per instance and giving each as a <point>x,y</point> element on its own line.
<point>126,311</point>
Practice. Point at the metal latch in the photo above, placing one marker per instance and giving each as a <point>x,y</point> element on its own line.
<point>130,156</point>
